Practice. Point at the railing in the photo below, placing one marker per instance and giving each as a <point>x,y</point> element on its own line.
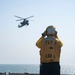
<point>3,73</point>
<point>26,74</point>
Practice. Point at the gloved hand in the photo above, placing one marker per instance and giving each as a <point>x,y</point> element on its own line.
<point>56,34</point>
<point>44,33</point>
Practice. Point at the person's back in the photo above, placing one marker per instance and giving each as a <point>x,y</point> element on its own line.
<point>50,48</point>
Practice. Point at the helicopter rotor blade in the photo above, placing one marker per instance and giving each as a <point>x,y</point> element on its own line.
<point>19,19</point>
<point>22,18</point>
<point>29,17</point>
<point>18,16</point>
<point>31,20</point>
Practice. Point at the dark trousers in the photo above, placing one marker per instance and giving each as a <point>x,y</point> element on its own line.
<point>52,68</point>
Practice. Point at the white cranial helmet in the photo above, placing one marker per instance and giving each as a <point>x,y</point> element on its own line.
<point>50,30</point>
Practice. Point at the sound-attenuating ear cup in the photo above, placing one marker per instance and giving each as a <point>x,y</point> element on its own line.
<point>55,32</point>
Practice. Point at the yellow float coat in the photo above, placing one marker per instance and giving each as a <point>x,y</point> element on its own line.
<point>49,49</point>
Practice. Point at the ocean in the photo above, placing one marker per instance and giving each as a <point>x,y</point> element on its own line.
<point>31,68</point>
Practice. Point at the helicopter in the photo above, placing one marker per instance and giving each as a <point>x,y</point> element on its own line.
<point>24,22</point>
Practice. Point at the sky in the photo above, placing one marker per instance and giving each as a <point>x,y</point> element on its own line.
<point>17,45</point>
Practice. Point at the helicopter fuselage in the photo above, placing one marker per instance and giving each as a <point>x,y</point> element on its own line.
<point>25,22</point>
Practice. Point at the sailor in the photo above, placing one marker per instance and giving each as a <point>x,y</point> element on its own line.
<point>50,49</point>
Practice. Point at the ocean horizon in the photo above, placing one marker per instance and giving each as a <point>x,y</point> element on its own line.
<point>31,68</point>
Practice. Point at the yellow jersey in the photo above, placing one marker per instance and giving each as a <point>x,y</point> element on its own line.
<point>49,49</point>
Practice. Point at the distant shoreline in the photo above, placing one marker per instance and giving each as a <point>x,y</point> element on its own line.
<point>31,69</point>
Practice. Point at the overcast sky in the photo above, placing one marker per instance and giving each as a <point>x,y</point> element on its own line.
<point>17,45</point>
